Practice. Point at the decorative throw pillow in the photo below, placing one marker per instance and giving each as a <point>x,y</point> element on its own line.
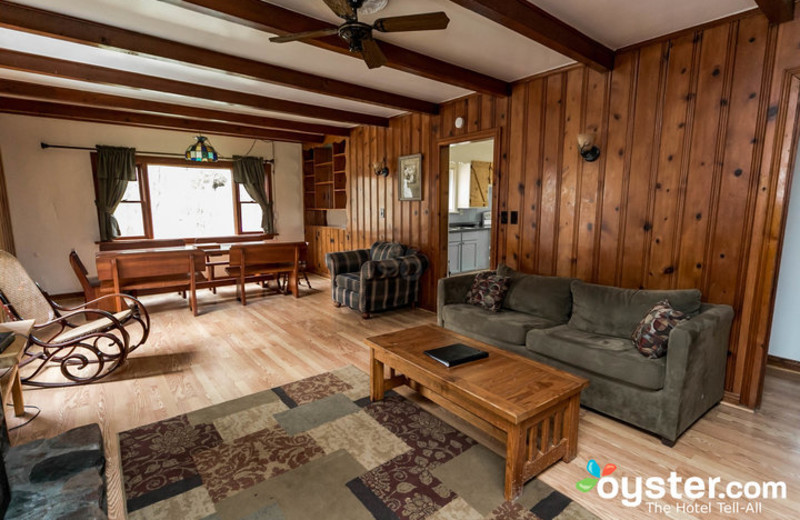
<point>652,334</point>
<point>488,290</point>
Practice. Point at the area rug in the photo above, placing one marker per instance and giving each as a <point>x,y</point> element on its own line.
<point>319,449</point>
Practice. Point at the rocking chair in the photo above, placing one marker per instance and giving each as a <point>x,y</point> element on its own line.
<point>87,350</point>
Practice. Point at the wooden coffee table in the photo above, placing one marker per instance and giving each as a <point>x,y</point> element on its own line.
<point>530,406</point>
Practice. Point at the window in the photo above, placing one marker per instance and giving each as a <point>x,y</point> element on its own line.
<point>173,199</point>
<point>130,213</point>
<point>190,202</point>
<point>249,211</point>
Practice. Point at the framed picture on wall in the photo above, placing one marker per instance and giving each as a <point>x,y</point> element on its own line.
<point>409,177</point>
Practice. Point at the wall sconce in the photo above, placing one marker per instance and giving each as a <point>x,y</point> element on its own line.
<point>381,170</point>
<point>588,151</point>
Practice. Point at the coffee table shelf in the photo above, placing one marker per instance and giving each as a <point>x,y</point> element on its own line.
<point>532,407</point>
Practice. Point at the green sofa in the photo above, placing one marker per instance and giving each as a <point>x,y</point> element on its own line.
<point>586,329</point>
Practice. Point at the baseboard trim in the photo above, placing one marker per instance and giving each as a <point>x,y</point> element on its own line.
<point>786,364</point>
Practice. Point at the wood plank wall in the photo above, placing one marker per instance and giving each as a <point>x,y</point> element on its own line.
<point>6,235</point>
<point>690,189</point>
<point>410,222</point>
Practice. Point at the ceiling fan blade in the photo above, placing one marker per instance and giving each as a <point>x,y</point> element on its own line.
<point>372,54</point>
<point>414,22</point>
<point>341,8</point>
<point>308,35</point>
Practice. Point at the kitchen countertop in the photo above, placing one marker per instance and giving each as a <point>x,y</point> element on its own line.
<point>467,229</point>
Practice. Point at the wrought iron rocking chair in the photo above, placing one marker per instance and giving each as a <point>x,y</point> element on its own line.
<point>86,351</point>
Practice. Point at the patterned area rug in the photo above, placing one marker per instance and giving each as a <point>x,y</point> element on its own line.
<point>319,449</point>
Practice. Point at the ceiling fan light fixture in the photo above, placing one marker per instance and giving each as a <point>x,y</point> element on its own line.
<point>359,35</point>
<point>373,6</point>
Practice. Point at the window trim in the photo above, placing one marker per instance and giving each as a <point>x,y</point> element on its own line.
<point>142,164</point>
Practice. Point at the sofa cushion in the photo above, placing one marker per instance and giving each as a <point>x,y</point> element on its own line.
<point>612,311</point>
<point>651,337</point>
<point>603,355</point>
<point>386,250</point>
<point>506,326</point>
<point>488,290</point>
<point>546,296</point>
<point>349,281</point>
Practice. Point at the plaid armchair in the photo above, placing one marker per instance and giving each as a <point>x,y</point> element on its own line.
<point>383,277</point>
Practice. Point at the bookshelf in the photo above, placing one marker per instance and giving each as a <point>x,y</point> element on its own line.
<point>325,177</point>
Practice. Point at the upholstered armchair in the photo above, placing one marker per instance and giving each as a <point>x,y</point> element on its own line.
<point>384,277</point>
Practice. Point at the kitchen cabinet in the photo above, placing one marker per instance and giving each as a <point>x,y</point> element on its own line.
<point>454,253</point>
<point>468,250</point>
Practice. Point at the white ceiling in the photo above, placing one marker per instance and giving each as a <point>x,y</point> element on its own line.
<point>619,23</point>
<point>470,41</point>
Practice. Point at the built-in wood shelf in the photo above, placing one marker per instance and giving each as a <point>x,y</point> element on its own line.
<point>325,177</point>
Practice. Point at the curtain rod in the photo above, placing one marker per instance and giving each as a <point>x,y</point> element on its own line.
<point>160,154</point>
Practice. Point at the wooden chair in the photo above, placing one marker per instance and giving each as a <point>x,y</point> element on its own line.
<point>159,271</point>
<point>259,262</point>
<point>212,251</point>
<point>85,350</point>
<point>302,267</point>
<point>90,284</point>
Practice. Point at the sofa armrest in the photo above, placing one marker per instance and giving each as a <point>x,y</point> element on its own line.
<point>696,362</point>
<point>452,290</point>
<point>408,267</point>
<point>346,261</point>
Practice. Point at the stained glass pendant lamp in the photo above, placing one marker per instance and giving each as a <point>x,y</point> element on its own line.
<point>201,151</point>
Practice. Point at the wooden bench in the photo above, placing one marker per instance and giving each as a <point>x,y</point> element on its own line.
<point>154,271</point>
<point>259,262</point>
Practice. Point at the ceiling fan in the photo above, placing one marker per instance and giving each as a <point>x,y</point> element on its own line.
<point>359,34</point>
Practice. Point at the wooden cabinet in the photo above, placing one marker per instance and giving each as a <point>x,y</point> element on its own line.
<point>322,240</point>
<point>325,177</point>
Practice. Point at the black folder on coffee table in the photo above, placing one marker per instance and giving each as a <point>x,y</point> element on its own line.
<point>456,354</point>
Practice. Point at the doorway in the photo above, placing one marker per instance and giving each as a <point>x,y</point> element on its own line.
<point>471,168</point>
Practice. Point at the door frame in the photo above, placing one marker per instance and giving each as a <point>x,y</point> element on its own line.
<point>443,149</point>
<point>768,255</point>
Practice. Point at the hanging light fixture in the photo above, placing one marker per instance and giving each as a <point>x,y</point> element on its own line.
<point>201,151</point>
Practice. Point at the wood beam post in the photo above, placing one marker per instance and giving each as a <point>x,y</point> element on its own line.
<point>6,233</point>
<point>532,22</point>
<point>84,97</point>
<point>777,11</point>
<point>119,117</point>
<point>96,74</point>
<point>280,21</point>
<point>86,32</point>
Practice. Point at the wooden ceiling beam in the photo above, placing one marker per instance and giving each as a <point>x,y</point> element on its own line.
<point>96,74</point>
<point>280,21</point>
<point>777,11</point>
<point>532,22</point>
<point>84,97</point>
<point>29,107</point>
<point>54,25</point>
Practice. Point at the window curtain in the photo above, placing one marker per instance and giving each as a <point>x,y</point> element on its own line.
<point>249,171</point>
<point>115,168</point>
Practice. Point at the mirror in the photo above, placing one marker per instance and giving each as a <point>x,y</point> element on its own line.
<point>471,172</point>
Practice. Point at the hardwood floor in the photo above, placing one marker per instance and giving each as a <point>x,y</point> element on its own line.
<point>230,351</point>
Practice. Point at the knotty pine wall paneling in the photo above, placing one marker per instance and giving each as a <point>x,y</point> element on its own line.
<point>697,138</point>
<point>414,223</point>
